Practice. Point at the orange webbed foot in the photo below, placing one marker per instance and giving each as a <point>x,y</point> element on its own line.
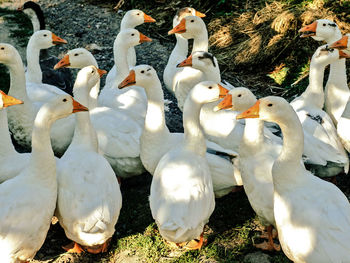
<point>73,248</point>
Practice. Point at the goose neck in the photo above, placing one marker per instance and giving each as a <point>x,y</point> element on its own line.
<point>120,60</point>
<point>84,133</point>
<point>200,41</point>
<point>34,73</point>
<point>211,73</point>
<point>194,137</point>
<point>17,79</point>
<point>42,156</point>
<point>155,117</point>
<point>5,138</point>
<point>253,135</point>
<point>314,92</point>
<point>335,37</point>
<point>181,46</point>
<point>293,139</point>
<point>337,73</point>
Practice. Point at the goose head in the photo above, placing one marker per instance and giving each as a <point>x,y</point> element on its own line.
<point>325,55</point>
<point>134,18</point>
<point>44,39</point>
<point>321,30</point>
<point>141,75</point>
<point>7,100</point>
<point>189,27</point>
<point>343,43</point>
<point>237,99</point>
<point>9,54</point>
<point>271,108</point>
<point>76,58</point>
<point>88,77</point>
<point>61,106</point>
<point>207,91</point>
<point>130,37</point>
<point>186,11</point>
<point>200,60</point>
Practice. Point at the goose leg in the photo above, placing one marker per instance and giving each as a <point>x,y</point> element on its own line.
<point>270,245</point>
<point>100,248</point>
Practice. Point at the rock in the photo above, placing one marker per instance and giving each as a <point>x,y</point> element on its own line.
<point>257,257</point>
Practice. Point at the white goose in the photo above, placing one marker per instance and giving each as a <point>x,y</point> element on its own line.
<point>312,216</point>
<point>131,19</point>
<point>28,201</point>
<point>156,140</point>
<point>61,79</point>
<point>219,127</point>
<point>322,146</point>
<point>184,80</point>
<point>181,197</point>
<point>21,118</point>
<point>36,89</point>
<point>118,135</point>
<point>8,155</point>
<point>180,51</point>
<point>336,90</point>
<point>89,199</point>
<point>257,154</point>
<point>133,101</point>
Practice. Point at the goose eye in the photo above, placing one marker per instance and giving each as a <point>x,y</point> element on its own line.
<point>2,48</point>
<point>64,100</point>
<point>45,35</point>
<point>93,71</point>
<point>210,87</point>
<point>138,14</point>
<point>239,95</point>
<point>133,34</point>
<point>324,24</point>
<point>142,71</point>
<point>269,105</point>
<point>192,21</point>
<point>76,54</point>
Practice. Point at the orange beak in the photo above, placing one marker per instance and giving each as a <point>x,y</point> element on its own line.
<point>252,112</point>
<point>225,104</point>
<point>129,80</point>
<point>186,63</point>
<point>148,19</point>
<point>63,63</point>
<point>223,91</point>
<point>101,72</point>
<point>341,43</point>
<point>342,54</point>
<point>310,30</point>
<point>180,28</point>
<point>8,100</point>
<point>57,40</point>
<point>199,14</point>
<point>78,107</point>
<point>144,38</point>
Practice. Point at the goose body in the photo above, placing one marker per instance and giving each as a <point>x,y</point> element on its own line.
<point>182,198</point>
<point>21,118</point>
<point>131,19</point>
<point>89,199</point>
<point>312,216</point>
<point>156,140</point>
<point>28,200</point>
<point>322,146</point>
<point>118,135</point>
